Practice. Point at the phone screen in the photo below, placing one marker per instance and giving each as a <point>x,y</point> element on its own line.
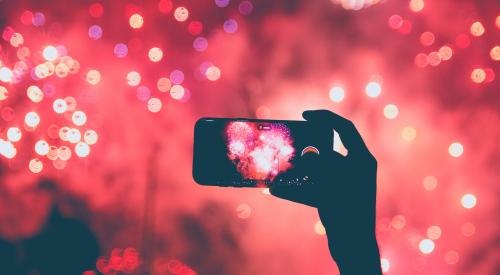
<point>241,152</point>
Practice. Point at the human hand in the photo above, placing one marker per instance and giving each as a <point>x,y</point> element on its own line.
<point>343,189</point>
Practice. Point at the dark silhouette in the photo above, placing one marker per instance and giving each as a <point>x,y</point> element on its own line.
<point>64,246</point>
<point>343,189</point>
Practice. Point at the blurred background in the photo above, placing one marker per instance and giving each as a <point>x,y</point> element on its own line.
<point>98,101</point>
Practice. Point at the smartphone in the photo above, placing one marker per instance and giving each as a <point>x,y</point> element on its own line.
<point>244,152</point>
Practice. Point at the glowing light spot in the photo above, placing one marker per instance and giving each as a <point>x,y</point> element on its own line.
<point>373,89</point>
<point>165,6</point>
<point>406,27</point>
<point>50,53</point>
<point>120,50</point>
<point>430,183</point>
<point>426,246</point>
<point>177,92</point>
<point>445,52</point>
<point>495,53</point>
<point>6,74</point>
<point>416,5</point>
<point>79,118</point>
<point>155,54</point>
<point>421,60</point>
<point>451,257</point>
<point>266,191</point>
<point>395,21</point>
<point>243,211</point>
<point>70,103</point>
<point>64,153</point>
<point>319,228</point>
<point>154,105</point>
<point>177,77</point>
<point>7,149</point>
<point>427,38</point>
<point>468,229</point>
<point>490,75</point>
<point>34,93</point>
<point>16,39</point>
<point>181,14</point>
<point>434,232</point>
<point>14,134</point>
<point>133,78</point>
<point>3,93</point>
<point>32,119</point>
<point>93,77</point>
<point>60,106</point>
<point>477,29</point>
<point>136,21</point>
<point>213,73</point>
<point>59,164</point>
<point>82,149</point>
<point>90,137</point>
<point>336,94</point>
<point>38,19</point>
<point>42,147</point>
<point>497,21</point>
<point>200,44</point>
<point>434,58</point>
<point>195,28</point>
<point>74,135</point>
<point>391,111</point>
<point>96,10</point>
<point>478,75</point>
<point>408,133</point>
<point>35,166</point>
<point>143,93</point>
<point>468,201</point>
<point>222,3</point>
<point>230,26</point>
<point>245,7</point>
<point>456,149</point>
<point>95,32</point>
<point>385,264</point>
<point>52,155</point>
<point>163,84</point>
<point>26,17</point>
<point>398,222</point>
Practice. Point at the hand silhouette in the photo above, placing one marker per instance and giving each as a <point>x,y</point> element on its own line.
<point>343,189</point>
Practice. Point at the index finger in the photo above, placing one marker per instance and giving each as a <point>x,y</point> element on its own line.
<point>346,129</point>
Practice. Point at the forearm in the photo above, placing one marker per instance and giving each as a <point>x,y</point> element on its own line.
<point>356,257</point>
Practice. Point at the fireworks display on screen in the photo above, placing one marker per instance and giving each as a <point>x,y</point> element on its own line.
<point>259,153</point>
<point>101,98</point>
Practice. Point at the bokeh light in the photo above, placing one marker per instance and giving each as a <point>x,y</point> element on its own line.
<point>385,265</point>
<point>434,232</point>
<point>50,53</point>
<point>468,201</point>
<point>14,134</point>
<point>133,78</point>
<point>136,21</point>
<point>373,89</point>
<point>456,149</point>
<point>181,14</point>
<point>32,119</point>
<point>426,246</point>
<point>408,133</point>
<point>477,29</point>
<point>336,94</point>
<point>417,5</point>
<point>391,111</point>
<point>93,77</point>
<point>430,183</point>
<point>155,54</point>
<point>478,75</point>
<point>36,166</point>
